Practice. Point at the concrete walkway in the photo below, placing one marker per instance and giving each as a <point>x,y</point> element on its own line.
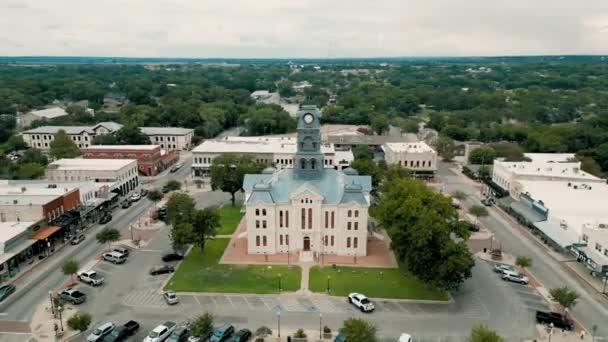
<point>304,280</point>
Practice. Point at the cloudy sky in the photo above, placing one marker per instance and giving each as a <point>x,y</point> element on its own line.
<point>302,28</point>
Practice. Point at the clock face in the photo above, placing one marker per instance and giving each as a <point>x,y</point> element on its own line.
<point>308,118</point>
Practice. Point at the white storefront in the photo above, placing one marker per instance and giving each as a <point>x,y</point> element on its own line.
<point>416,156</point>
<point>170,138</point>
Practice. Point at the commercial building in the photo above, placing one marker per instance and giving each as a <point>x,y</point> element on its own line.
<point>82,136</point>
<point>350,141</point>
<point>16,246</point>
<point>151,159</point>
<point>540,167</point>
<point>307,208</point>
<point>122,173</point>
<point>22,203</point>
<point>26,119</point>
<point>416,156</point>
<point>170,138</point>
<point>278,150</point>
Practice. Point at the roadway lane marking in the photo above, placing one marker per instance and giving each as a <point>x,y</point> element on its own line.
<point>150,250</point>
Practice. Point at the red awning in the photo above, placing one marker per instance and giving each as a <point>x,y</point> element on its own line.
<point>45,232</point>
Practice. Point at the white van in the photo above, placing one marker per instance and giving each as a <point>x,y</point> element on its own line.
<point>114,257</point>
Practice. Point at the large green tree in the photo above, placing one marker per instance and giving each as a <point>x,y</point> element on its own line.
<point>358,330</point>
<point>202,325</point>
<point>445,148</point>
<point>228,171</point>
<point>482,155</point>
<point>131,135</point>
<point>63,147</point>
<point>108,235</point>
<point>379,123</point>
<point>180,208</point>
<point>422,223</point>
<point>70,267</point>
<point>564,296</point>
<point>481,333</point>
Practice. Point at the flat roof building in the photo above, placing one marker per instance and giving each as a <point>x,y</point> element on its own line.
<point>170,138</point>
<point>151,159</point>
<point>26,119</point>
<point>416,156</point>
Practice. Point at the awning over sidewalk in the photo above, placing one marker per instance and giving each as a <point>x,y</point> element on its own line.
<point>553,230</point>
<point>500,192</point>
<point>45,232</point>
<point>4,257</point>
<point>527,212</point>
<point>593,260</point>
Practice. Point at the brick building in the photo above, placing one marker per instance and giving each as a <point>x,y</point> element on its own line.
<point>151,159</point>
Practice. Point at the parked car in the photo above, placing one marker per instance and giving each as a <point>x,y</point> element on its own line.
<point>558,320</point>
<point>126,204</point>
<point>515,277</point>
<point>122,332</point>
<point>161,332</point>
<point>121,250</point>
<point>172,257</point>
<point>6,290</point>
<point>114,257</point>
<point>165,189</point>
<point>143,192</point>
<point>361,302</point>
<point>222,333</point>
<point>76,239</point>
<point>135,197</point>
<point>242,335</point>
<point>502,268</point>
<point>179,335</point>
<point>405,338</point>
<point>162,213</point>
<point>339,338</point>
<point>162,270</point>
<point>175,168</point>
<point>91,277</point>
<point>456,203</point>
<point>100,332</point>
<point>105,219</point>
<point>71,295</point>
<point>170,297</point>
<point>488,201</point>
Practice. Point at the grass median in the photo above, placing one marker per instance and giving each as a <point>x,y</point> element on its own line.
<point>373,282</point>
<point>229,219</point>
<point>200,272</point>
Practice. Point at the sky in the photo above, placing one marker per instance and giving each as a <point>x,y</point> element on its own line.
<point>302,28</point>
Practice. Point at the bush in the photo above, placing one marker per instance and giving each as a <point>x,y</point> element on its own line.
<point>326,330</point>
<point>299,333</point>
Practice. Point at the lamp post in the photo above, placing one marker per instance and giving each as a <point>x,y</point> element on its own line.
<point>279,279</point>
<point>327,284</point>
<point>605,283</point>
<point>60,309</point>
<point>320,324</point>
<point>279,323</point>
<point>52,306</point>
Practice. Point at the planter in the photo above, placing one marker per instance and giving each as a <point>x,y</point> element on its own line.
<point>327,336</point>
<point>299,339</point>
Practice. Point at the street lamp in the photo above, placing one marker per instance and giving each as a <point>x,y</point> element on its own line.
<point>320,324</point>
<point>52,306</point>
<point>279,278</point>
<point>279,322</point>
<point>60,309</point>
<point>327,284</point>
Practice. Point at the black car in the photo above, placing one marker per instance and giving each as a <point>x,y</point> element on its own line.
<point>162,270</point>
<point>105,219</point>
<point>558,320</point>
<point>126,204</point>
<point>241,335</point>
<point>172,257</point>
<point>122,332</point>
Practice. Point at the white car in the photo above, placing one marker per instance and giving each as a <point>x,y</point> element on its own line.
<point>361,302</point>
<point>100,332</point>
<point>135,197</point>
<point>405,338</point>
<point>515,277</point>
<point>90,277</point>
<point>161,332</point>
<point>171,297</point>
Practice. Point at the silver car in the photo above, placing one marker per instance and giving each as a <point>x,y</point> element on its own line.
<point>100,332</point>
<point>171,297</point>
<point>502,268</point>
<point>515,277</point>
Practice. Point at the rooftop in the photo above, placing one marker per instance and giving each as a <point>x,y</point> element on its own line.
<point>111,126</point>
<point>274,145</point>
<point>555,169</point>
<point>550,157</point>
<point>50,113</point>
<point>90,164</point>
<point>9,230</point>
<point>121,147</point>
<point>166,130</point>
<point>411,147</point>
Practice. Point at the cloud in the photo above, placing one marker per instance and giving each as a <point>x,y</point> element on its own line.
<point>304,28</point>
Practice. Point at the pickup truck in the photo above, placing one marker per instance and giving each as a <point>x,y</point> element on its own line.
<point>91,278</point>
<point>73,296</point>
<point>558,320</point>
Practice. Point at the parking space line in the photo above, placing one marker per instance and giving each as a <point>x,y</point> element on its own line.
<point>230,300</point>
<point>213,300</point>
<point>196,299</point>
<point>269,308</point>
<point>249,304</point>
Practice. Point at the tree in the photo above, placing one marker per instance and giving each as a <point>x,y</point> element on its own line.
<point>34,155</point>
<point>358,330</point>
<point>510,151</point>
<point>180,209</point>
<point>228,171</point>
<point>460,195</point>
<point>263,331</point>
<point>205,224</point>
<point>445,147</point>
<point>131,135</point>
<point>29,170</point>
<point>108,235</point>
<point>70,267</point>
<point>285,89</point>
<point>482,155</point>
<point>367,167</point>
<point>589,165</point>
<point>564,296</point>
<point>379,123</point>
<point>155,196</point>
<point>478,211</point>
<point>363,152</point>
<point>15,143</point>
<point>523,261</point>
<point>202,325</point>
<point>173,185</point>
<point>181,235</point>
<point>63,147</point>
<point>80,321</point>
<point>481,333</point>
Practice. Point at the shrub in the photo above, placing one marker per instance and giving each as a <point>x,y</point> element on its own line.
<point>326,330</point>
<point>299,333</point>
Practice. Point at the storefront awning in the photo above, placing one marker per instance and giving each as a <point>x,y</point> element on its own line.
<point>526,212</point>
<point>500,192</point>
<point>553,230</point>
<point>4,257</point>
<point>45,232</point>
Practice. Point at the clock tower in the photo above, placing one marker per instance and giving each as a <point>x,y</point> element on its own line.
<point>309,161</point>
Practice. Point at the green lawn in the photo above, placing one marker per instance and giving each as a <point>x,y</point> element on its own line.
<point>393,283</point>
<point>229,219</point>
<point>202,273</point>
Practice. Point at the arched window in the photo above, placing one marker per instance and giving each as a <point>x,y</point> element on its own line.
<point>350,213</point>
<point>356,213</point>
<point>309,218</point>
<point>264,240</point>
<point>303,164</point>
<point>355,242</point>
<point>313,163</point>
<point>347,242</point>
<point>257,212</point>
<point>263,212</point>
<point>257,240</point>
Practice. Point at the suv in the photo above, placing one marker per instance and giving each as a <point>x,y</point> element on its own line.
<point>222,333</point>
<point>73,296</point>
<point>121,250</point>
<point>558,320</point>
<point>361,302</point>
<point>100,332</point>
<point>502,268</point>
<point>515,277</point>
<point>114,257</point>
<point>179,335</point>
<point>161,332</point>
<point>78,238</point>
<point>90,277</point>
